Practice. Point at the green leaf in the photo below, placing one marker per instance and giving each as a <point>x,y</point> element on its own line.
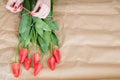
<point>46,37</point>
<point>54,38</point>
<point>52,24</point>
<point>27,41</point>
<point>34,18</point>
<point>27,4</point>
<point>39,31</point>
<point>24,23</point>
<point>33,36</point>
<point>24,26</point>
<point>40,24</point>
<point>43,44</point>
<point>33,3</point>
<point>26,19</point>
<point>21,39</point>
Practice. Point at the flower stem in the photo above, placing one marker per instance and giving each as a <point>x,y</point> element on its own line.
<point>17,51</point>
<point>51,49</point>
<point>42,58</point>
<point>29,51</point>
<point>26,9</point>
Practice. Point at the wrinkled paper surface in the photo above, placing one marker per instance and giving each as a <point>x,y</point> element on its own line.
<point>89,41</point>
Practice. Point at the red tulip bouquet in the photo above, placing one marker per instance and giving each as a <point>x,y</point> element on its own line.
<point>41,34</point>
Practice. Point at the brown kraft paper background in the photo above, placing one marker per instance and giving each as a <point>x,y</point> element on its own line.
<point>89,41</point>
